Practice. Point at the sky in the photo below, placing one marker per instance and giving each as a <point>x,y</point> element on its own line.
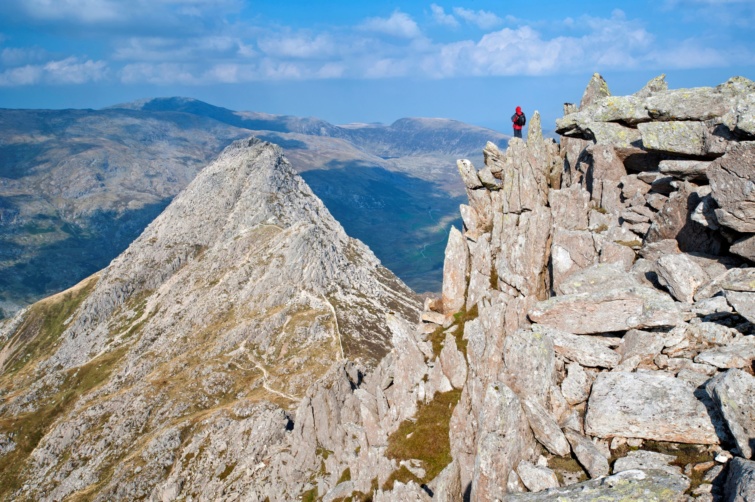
<point>365,61</point>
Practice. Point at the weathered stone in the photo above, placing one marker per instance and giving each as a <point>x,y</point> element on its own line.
<point>743,303</point>
<point>453,362</point>
<point>655,200</point>
<point>585,350</point>
<point>455,271</point>
<point>708,306</point>
<point>487,179</point>
<point>470,218</point>
<point>675,137</point>
<point>647,486</point>
<point>468,174</point>
<point>611,133</point>
<point>611,310</point>
<point>536,478</point>
<point>644,345</point>
<point>480,270</point>
<point>612,253</point>
<point>705,213</point>
<point>746,114</point>
<point>570,207</point>
<point>734,394</point>
<point>645,460</point>
<point>740,482</point>
<point>604,165</point>
<point>685,169</point>
<point>735,279</point>
<point>596,279</point>
<point>732,180</point>
<point>674,222</point>
<point>529,364</point>
<point>545,428</point>
<point>744,247</point>
<point>596,89</point>
<point>576,386</point>
<point>504,441</point>
<point>648,405</point>
<point>588,454</point>
<point>681,275</point>
<point>524,180</point>
<point>520,262</point>
<point>447,486</point>
<point>736,355</point>
<point>571,251</point>
<point>699,103</point>
<point>493,158</point>
<point>654,85</point>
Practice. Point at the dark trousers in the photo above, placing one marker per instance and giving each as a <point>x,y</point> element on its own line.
<point>517,133</point>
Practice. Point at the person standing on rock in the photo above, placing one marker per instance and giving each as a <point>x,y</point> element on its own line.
<point>519,120</point>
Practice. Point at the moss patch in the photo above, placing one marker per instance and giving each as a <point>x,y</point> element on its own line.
<point>425,439</point>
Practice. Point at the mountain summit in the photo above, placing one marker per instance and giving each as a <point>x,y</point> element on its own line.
<point>243,290</point>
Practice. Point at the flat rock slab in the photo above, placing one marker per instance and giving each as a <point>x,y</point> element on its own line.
<point>647,405</point>
<point>732,180</point>
<point>643,459</point>
<point>613,310</point>
<point>585,350</point>
<point>734,394</point>
<point>740,483</point>
<point>736,355</point>
<point>648,486</point>
<point>686,137</point>
<point>681,275</point>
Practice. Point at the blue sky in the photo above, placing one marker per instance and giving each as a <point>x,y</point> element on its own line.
<point>364,61</point>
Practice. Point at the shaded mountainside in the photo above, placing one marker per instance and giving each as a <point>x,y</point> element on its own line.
<point>77,186</point>
<point>232,302</point>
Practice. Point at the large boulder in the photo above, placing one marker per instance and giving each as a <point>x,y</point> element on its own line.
<point>647,405</point>
<point>740,482</point>
<point>635,485</point>
<point>732,180</point>
<point>612,310</point>
<point>504,441</point>
<point>734,393</point>
<point>455,272</point>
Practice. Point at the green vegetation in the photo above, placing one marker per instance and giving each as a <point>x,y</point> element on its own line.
<point>438,336</point>
<point>28,429</point>
<point>43,326</point>
<point>345,476</point>
<point>425,439</point>
<point>568,464</point>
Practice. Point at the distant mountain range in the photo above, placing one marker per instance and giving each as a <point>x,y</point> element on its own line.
<point>77,186</point>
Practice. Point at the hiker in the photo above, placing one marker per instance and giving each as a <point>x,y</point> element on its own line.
<point>519,120</point>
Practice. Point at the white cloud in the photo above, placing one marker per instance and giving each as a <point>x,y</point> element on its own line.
<point>440,16</point>
<point>65,71</point>
<point>298,46</point>
<point>484,19</point>
<point>399,25</point>
<point>86,11</point>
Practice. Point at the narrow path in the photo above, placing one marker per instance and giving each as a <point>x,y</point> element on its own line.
<point>265,376</point>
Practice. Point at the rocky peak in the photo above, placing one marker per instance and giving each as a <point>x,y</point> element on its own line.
<point>243,291</point>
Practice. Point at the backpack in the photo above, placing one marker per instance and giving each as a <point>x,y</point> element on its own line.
<point>521,120</point>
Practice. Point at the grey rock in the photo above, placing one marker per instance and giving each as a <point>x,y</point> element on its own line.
<point>645,460</point>
<point>744,247</point>
<point>648,405</point>
<point>705,213</point>
<point>743,302</point>
<point>740,482</point>
<point>455,272</point>
<point>545,428</point>
<point>529,364</point>
<point>588,454</point>
<point>685,169</point>
<point>536,478</point>
<point>643,345</point>
<point>447,486</point>
<point>736,355</point>
<point>648,486</point>
<point>585,350</point>
<point>571,252</point>
<point>746,114</point>
<point>734,394</point>
<point>732,180</point>
<point>570,207</point>
<point>612,310</point>
<point>468,174</point>
<point>686,138</point>
<point>596,89</point>
<point>487,179</point>
<point>696,104</point>
<point>681,275</point>
<point>654,85</point>
<point>576,386</point>
<point>504,441</point>
<point>453,362</point>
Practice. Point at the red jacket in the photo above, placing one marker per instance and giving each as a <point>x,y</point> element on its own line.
<point>515,117</point>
